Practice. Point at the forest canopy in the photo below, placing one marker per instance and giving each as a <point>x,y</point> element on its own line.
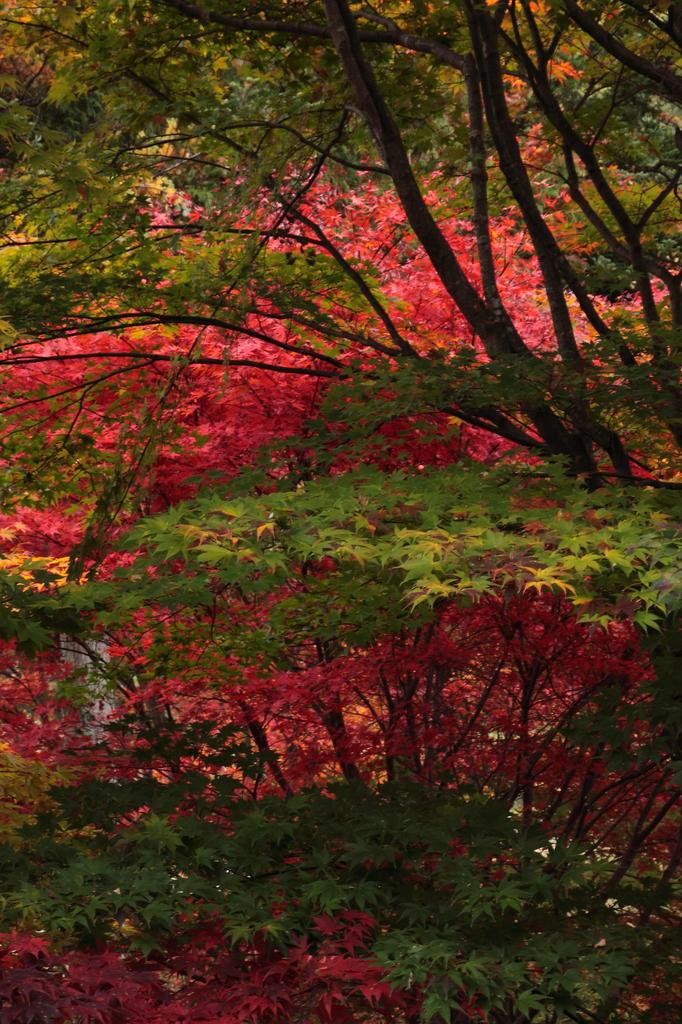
<point>340,566</point>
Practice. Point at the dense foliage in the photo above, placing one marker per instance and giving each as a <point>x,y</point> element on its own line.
<point>340,576</point>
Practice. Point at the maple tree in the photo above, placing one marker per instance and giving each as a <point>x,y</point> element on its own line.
<point>340,529</point>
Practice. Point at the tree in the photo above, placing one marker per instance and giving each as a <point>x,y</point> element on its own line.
<point>348,340</point>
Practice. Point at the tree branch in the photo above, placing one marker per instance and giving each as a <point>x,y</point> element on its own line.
<point>671,82</point>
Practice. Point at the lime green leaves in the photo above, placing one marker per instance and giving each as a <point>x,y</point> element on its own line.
<point>457,534</point>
